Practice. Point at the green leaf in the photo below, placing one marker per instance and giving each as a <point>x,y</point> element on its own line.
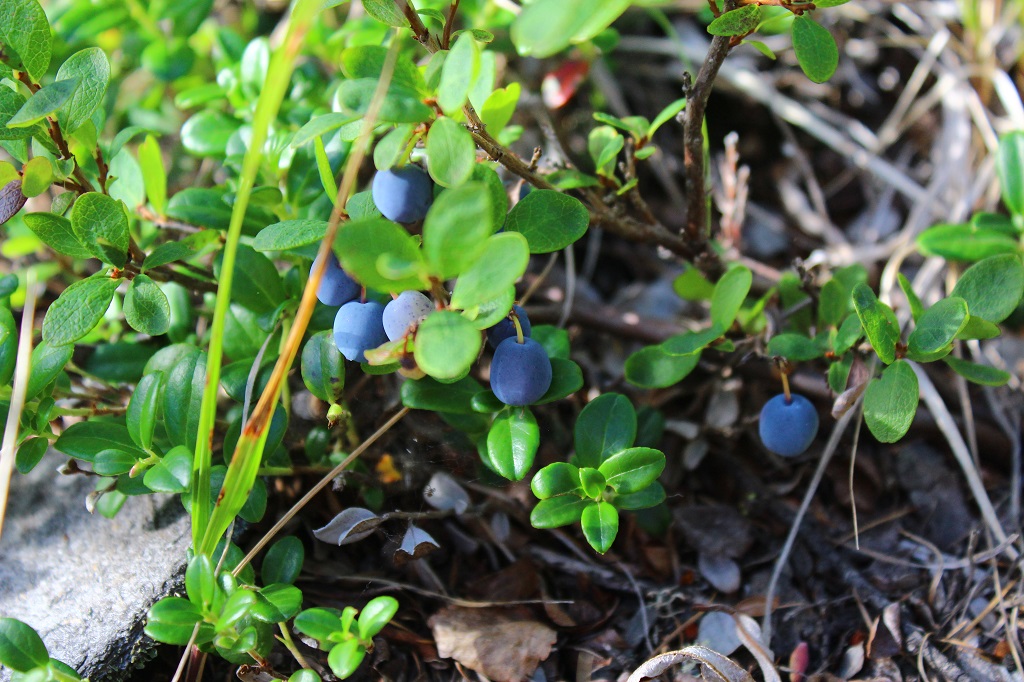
<point>37,176</point>
<point>604,144</point>
<point>428,394</point>
<point>323,367</point>
<point>546,27</point>
<point>25,30</point>
<point>283,561</point>
<point>386,12</point>
<point>727,299</point>
<point>499,107</point>
<point>890,402</point>
<point>555,512</point>
<point>207,133</point>
<point>665,115</point>
<point>172,620</point>
<point>559,478</point>
<point>502,262</point>
<point>183,397</point>
<point>976,373</point>
<point>632,470</point>
<point>21,649</point>
<point>653,367</point>
<point>319,624</point>
<point>600,522</point>
<point>146,308</point>
<point>512,442</point>
<point>43,102</point>
<point>458,73</point>
<point>451,153</point>
<point>277,602</point>
<point>938,326</point>
<point>592,482</point>
<point>456,229</point>
<point>879,322</point>
<point>173,473</point>
<point>8,345</point>
<point>367,61</point>
<point>113,462</point>
<point>849,333</point>
<point>345,658</point>
<point>815,49</point>
<point>693,286</point>
<point>965,242</point>
<point>48,361</point>
<point>566,379</point>
<point>201,581</point>
<point>321,125</point>
<point>833,303</point>
<point>691,342</point>
<point>549,220</point>
<point>29,455</point>
<point>143,409</point>
<point>650,496</point>
<point>839,374</point>
<point>375,615</point>
<point>400,104</point>
<point>916,307</point>
<point>153,174</point>
<point>304,675</point>
<point>796,347</point>
<point>90,68</point>
<point>977,328</point>
<point>737,22</point>
<point>760,47</point>
<point>85,440</point>
<point>290,234</point>
<point>10,103</point>
<point>483,172</point>
<point>257,284</point>
<point>992,287</point>
<point>605,426</point>
<point>1010,164</point>
<point>101,225</point>
<point>362,243</point>
<point>78,309</point>
<point>446,345</point>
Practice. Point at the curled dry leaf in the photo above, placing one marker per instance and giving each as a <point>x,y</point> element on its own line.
<point>713,665</point>
<point>11,200</point>
<point>497,643</point>
<point>351,525</point>
<point>886,640</point>
<point>416,544</point>
<point>750,634</point>
<point>852,663</point>
<point>847,399</point>
<point>444,493</point>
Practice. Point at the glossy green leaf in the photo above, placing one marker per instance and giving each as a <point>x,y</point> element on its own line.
<point>207,133</point>
<point>92,71</point>
<point>654,367</point>
<point>546,27</point>
<point>30,453</point>
<point>499,107</point>
<point>691,342</point>
<point>833,303</point>
<point>85,440</point>
<point>429,394</point>
<point>879,322</point>
<point>11,103</point>
<point>257,284</point>
<point>916,307</point>
<point>559,478</point>
<point>727,299</point>
<point>43,103</point>
<point>277,602</point>
<point>890,402</point>
<point>173,473</point>
<point>321,125</point>
<point>484,173</point>
<point>48,360</point>
<point>1010,164</point>
<point>362,243</point>
<point>172,620</point>
<point>549,220</point>
<point>633,469</point>
<point>460,69</point>
<point>144,409</point>
<point>592,482</point>
<point>201,581</point>
<point>319,624</point>
<point>938,326</point>
<point>290,234</point>
<point>153,174</point>
<point>512,442</point>
<point>965,242</point>
<point>652,495</point>
<point>345,658</point>
<point>367,61</point>
<point>8,345</point>
<point>323,367</point>
<point>815,49</point>
<point>451,153</point>
<point>600,522</point>
<point>37,176</point>
<point>400,104</point>
<point>607,425</point>
<point>183,397</point>
<point>101,225</point>
<point>796,347</point>
<point>555,512</point>
<point>456,228</point>
<point>737,22</point>
<point>78,309</point>
<point>985,375</point>
<point>375,615</point>
<point>447,344</point>
<point>283,561</point>
<point>146,308</point>
<point>25,31</point>
<point>304,675</point>
<point>21,649</point>
<point>386,11</point>
<point>992,287</point>
<point>566,379</point>
<point>502,262</point>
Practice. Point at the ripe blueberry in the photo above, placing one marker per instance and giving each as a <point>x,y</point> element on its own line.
<point>336,287</point>
<point>788,428</point>
<point>403,194</point>
<point>359,327</point>
<point>520,372</point>
<point>411,307</point>
<point>506,327</point>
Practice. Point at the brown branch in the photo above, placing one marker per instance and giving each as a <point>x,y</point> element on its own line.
<point>446,37</point>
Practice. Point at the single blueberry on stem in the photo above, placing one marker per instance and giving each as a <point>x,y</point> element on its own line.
<point>403,194</point>
<point>520,371</point>
<point>788,424</point>
<point>336,287</point>
<point>359,327</point>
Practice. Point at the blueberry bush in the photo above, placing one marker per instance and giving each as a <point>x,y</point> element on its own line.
<point>341,201</point>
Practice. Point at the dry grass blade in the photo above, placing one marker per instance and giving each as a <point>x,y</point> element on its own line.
<point>714,666</point>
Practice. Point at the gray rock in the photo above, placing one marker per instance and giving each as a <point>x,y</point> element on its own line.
<point>85,582</point>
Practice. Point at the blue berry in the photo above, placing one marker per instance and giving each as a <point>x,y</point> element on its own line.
<point>336,287</point>
<point>788,428</point>
<point>507,328</point>
<point>359,327</point>
<point>520,372</point>
<point>403,194</point>
<point>411,307</point>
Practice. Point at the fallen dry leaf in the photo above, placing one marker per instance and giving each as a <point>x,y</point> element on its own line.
<point>496,643</point>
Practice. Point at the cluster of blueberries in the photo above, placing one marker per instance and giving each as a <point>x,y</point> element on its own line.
<point>520,369</point>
